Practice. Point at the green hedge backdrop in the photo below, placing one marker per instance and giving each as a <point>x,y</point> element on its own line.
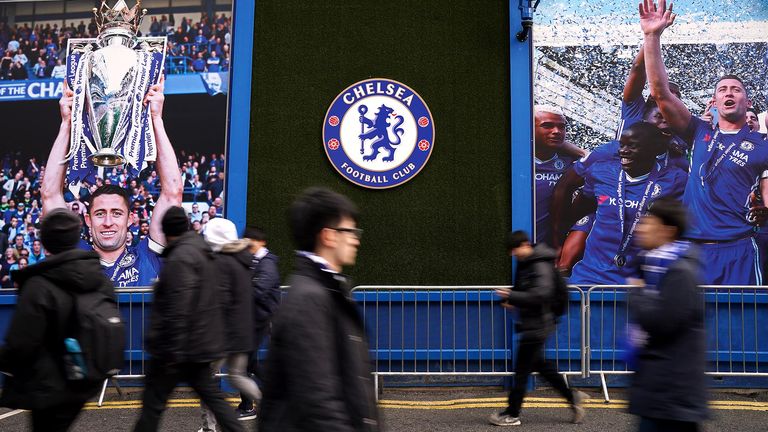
<point>447,225</point>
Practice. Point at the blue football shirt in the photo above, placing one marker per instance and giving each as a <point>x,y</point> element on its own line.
<point>547,174</point>
<point>137,266</point>
<point>605,239</point>
<point>725,167</point>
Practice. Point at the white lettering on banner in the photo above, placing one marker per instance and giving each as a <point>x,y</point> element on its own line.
<point>627,203</point>
<point>368,89</point>
<point>365,177</point>
<point>404,171</point>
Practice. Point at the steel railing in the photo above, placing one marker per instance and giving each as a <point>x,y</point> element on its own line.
<point>451,331</point>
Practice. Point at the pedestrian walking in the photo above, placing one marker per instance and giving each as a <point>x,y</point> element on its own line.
<point>668,390</point>
<point>233,263</point>
<point>186,331</point>
<point>33,355</point>
<point>265,283</point>
<point>318,375</point>
<point>533,297</point>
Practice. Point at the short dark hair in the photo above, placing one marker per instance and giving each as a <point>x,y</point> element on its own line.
<point>650,134</point>
<point>516,238</point>
<point>733,77</point>
<point>254,233</point>
<point>109,189</point>
<point>315,209</point>
<point>671,213</point>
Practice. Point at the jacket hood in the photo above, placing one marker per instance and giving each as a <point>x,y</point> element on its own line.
<point>74,270</point>
<point>235,246</point>
<point>541,252</point>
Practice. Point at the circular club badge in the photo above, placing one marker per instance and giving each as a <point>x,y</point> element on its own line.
<point>378,133</point>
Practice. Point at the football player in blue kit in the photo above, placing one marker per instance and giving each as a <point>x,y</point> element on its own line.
<point>551,160</point>
<point>108,212</point>
<point>726,164</point>
<point>619,191</point>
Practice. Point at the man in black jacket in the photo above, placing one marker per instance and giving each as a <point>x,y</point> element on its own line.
<point>265,283</point>
<point>186,330</point>
<point>318,375</point>
<point>32,356</point>
<point>532,296</point>
<point>668,389</point>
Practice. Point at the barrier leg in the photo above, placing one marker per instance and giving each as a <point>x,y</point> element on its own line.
<point>117,386</point>
<point>376,386</point>
<point>565,378</point>
<point>103,392</point>
<point>604,384</point>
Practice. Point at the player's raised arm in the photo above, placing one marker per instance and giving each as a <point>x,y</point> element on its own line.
<point>633,87</point>
<point>52,188</point>
<point>653,21</point>
<point>166,165</point>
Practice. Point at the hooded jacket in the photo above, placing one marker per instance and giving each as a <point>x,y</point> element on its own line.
<point>34,345</point>
<point>534,291</point>
<point>233,263</point>
<point>186,324</point>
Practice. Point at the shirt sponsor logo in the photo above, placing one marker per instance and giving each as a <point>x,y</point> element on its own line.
<point>378,133</point>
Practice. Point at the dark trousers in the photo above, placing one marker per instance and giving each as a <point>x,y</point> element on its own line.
<point>530,358</point>
<point>260,331</point>
<point>657,425</point>
<point>57,418</point>
<point>162,379</point>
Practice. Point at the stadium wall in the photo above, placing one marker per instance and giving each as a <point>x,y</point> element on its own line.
<point>447,225</point>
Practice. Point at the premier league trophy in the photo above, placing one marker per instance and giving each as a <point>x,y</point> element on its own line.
<point>110,76</point>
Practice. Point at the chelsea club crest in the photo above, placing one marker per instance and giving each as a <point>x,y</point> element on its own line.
<point>378,133</point>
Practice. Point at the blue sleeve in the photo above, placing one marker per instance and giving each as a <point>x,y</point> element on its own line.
<point>694,126</point>
<point>584,224</point>
<point>631,113</point>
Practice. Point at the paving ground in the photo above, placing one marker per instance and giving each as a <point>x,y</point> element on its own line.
<point>432,410</point>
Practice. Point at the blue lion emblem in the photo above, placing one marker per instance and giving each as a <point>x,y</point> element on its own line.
<point>379,132</point>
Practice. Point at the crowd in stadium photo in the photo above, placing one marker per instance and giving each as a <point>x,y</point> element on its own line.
<point>20,206</point>
<point>39,52</point>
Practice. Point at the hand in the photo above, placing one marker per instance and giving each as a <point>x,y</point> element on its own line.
<point>65,103</point>
<point>503,293</point>
<point>654,20</point>
<point>155,99</point>
<point>758,213</point>
<point>707,115</point>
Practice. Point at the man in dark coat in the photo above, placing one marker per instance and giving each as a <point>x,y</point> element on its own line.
<point>265,282</point>
<point>318,375</point>
<point>233,262</point>
<point>532,297</point>
<point>668,389</point>
<point>186,326</point>
<point>32,356</point>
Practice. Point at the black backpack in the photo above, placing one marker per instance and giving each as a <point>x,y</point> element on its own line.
<point>559,304</point>
<point>97,326</point>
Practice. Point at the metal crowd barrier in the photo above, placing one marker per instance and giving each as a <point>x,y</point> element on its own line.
<point>448,331</point>
<point>735,318</point>
<point>456,331</point>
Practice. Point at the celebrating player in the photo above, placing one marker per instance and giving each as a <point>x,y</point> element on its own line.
<point>727,163</point>
<point>107,216</point>
<point>620,190</point>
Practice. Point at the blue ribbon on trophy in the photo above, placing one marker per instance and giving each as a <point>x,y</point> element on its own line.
<point>110,76</point>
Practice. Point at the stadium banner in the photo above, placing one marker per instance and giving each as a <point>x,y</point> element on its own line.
<point>190,161</point>
<point>590,194</point>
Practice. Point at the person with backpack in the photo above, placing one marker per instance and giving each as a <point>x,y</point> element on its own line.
<point>52,349</point>
<point>537,297</point>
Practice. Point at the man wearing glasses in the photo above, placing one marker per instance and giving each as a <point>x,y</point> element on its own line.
<point>318,375</point>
